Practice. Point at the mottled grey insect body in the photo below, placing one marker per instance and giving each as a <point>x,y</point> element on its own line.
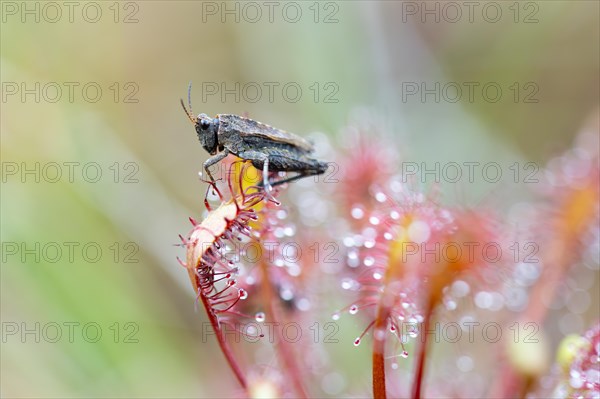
<point>268,148</point>
<point>286,152</point>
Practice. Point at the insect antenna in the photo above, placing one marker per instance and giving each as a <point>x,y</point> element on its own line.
<point>190,96</point>
<point>189,113</point>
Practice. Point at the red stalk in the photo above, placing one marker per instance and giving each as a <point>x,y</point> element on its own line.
<point>379,390</point>
<point>225,348</point>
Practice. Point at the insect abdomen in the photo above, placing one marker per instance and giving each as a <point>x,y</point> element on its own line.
<point>282,160</point>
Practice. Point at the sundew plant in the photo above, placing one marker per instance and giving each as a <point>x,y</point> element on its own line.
<point>364,282</point>
<point>431,231</point>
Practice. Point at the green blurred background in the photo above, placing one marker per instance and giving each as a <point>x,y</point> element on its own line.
<point>142,55</point>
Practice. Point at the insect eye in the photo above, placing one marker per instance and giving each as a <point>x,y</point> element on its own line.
<point>204,124</point>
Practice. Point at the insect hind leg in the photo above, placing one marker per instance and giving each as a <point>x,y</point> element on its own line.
<point>299,176</point>
<point>288,180</point>
<point>266,184</point>
<point>257,159</point>
<point>305,167</point>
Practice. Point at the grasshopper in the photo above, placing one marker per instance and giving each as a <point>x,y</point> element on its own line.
<point>268,148</point>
